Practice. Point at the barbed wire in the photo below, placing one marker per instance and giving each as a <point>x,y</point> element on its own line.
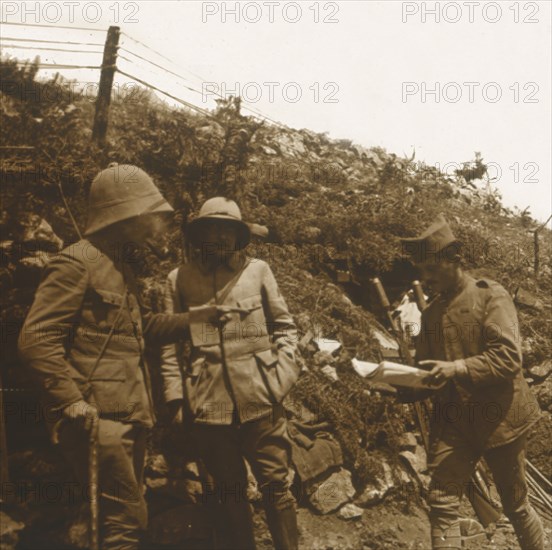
<point>47,49</point>
<point>179,100</point>
<point>50,26</point>
<point>59,66</point>
<point>14,39</point>
<point>186,86</point>
<point>202,79</point>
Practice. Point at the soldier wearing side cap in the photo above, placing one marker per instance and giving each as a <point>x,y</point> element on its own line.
<point>83,341</point>
<point>235,376</point>
<point>469,341</point>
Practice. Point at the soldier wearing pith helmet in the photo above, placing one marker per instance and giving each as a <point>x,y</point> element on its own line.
<point>469,342</point>
<point>236,374</point>
<point>83,340</point>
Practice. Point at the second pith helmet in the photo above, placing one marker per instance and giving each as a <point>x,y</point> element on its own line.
<point>220,208</point>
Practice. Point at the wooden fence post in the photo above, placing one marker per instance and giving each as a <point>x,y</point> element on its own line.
<point>536,264</point>
<point>103,100</point>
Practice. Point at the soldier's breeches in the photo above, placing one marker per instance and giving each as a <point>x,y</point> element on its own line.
<point>121,454</point>
<point>507,464</point>
<point>265,445</point>
<point>452,462</point>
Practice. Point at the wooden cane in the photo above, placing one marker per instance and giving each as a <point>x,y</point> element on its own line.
<point>93,479</point>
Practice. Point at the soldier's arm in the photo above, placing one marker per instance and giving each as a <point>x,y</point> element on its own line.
<point>280,322</point>
<point>50,322</point>
<point>164,328</point>
<point>501,357</point>
<point>170,369</point>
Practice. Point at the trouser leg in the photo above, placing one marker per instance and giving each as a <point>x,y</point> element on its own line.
<point>507,464</point>
<point>121,453</point>
<point>267,448</point>
<point>225,492</point>
<point>451,462</point>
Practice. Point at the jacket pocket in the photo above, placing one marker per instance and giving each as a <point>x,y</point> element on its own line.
<point>108,387</point>
<point>109,308</point>
<point>279,372</point>
<point>251,303</point>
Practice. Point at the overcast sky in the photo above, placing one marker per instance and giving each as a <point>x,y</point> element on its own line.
<point>363,71</point>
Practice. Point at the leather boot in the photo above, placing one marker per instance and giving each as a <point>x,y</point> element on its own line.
<point>283,527</point>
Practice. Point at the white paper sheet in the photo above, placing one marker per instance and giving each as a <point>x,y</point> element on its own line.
<point>394,374</point>
<point>325,344</point>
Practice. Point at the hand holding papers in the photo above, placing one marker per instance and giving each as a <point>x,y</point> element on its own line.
<point>394,374</point>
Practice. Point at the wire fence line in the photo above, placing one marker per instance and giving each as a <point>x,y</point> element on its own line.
<point>13,39</point>
<point>23,44</point>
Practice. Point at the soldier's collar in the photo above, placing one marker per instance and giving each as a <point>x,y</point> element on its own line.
<point>458,287</point>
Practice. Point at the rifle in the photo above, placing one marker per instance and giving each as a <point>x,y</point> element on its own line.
<point>419,414</point>
<point>480,497</point>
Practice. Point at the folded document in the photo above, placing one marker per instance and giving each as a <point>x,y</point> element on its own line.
<point>393,374</point>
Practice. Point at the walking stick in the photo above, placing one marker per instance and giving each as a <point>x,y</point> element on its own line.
<point>93,480</point>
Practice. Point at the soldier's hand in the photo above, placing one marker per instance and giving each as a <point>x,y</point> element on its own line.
<point>212,313</point>
<point>81,412</point>
<point>440,372</point>
<point>205,314</point>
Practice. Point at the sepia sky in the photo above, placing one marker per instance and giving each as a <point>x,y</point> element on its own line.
<point>379,73</point>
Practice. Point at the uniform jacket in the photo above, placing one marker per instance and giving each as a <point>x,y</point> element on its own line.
<point>81,295</point>
<point>478,325</point>
<point>259,345</point>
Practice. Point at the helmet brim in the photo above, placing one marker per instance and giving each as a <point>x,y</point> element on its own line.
<point>196,226</point>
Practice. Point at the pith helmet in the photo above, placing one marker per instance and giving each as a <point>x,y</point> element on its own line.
<point>220,208</point>
<point>435,243</point>
<point>119,192</point>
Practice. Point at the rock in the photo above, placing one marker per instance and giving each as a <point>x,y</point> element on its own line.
<point>525,298</point>
<point>407,442</point>
<point>291,144</point>
<point>376,492</point>
<point>543,392</point>
<point>9,531</point>
<point>416,460</point>
<point>330,372</point>
<point>404,479</point>
<point>268,150</point>
<point>333,492</point>
<point>541,372</point>
<point>350,511</point>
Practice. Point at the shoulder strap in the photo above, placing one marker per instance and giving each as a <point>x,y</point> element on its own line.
<point>108,337</point>
<point>220,298</point>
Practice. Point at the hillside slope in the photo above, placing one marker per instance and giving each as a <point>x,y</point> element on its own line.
<point>335,213</point>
